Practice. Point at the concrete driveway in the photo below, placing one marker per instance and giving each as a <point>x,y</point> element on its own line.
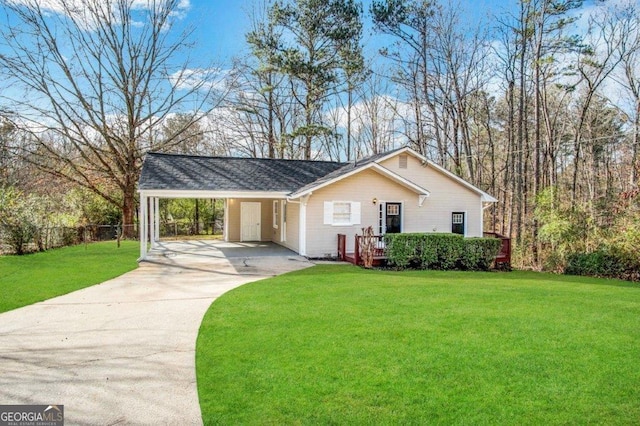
<point>123,352</point>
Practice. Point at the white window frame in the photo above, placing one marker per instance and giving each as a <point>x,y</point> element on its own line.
<point>275,214</point>
<point>382,215</point>
<point>355,213</point>
<point>283,218</point>
<point>341,213</point>
<point>397,209</point>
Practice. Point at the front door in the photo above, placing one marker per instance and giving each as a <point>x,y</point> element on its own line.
<point>457,223</point>
<point>250,221</point>
<point>393,217</point>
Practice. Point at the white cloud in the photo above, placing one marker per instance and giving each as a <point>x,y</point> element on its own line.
<point>79,10</point>
<point>200,79</point>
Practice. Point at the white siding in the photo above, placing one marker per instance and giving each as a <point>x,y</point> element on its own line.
<point>322,240</point>
<point>447,196</point>
<point>293,227</point>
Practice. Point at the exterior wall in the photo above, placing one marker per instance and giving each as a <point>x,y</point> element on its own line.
<point>363,187</point>
<point>279,233</point>
<point>266,221</point>
<point>447,196</point>
<point>292,240</point>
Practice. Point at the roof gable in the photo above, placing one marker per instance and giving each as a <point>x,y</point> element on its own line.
<point>374,161</point>
<point>483,195</point>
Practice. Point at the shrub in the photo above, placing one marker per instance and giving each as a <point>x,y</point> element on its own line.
<point>17,218</point>
<point>449,248</point>
<point>19,234</point>
<point>401,249</point>
<point>609,262</point>
<point>440,251</point>
<point>478,254</point>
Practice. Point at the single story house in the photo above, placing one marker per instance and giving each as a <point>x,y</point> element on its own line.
<point>304,205</point>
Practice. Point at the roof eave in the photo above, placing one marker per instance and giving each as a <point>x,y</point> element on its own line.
<point>192,193</point>
<point>483,195</point>
<point>401,180</point>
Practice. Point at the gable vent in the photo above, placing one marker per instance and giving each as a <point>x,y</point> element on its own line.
<point>402,161</point>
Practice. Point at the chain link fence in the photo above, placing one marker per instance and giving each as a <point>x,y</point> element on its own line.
<point>25,239</point>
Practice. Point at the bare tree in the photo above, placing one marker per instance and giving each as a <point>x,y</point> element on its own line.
<point>409,23</point>
<point>93,81</point>
<point>594,65</point>
<point>374,129</point>
<point>627,17</point>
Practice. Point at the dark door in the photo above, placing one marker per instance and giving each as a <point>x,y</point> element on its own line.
<point>394,218</point>
<point>457,223</point>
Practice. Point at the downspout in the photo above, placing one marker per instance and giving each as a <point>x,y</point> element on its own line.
<point>483,207</point>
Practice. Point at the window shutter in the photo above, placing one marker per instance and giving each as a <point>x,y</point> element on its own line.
<point>328,212</point>
<point>355,213</point>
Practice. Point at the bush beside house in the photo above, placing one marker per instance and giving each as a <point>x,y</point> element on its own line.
<point>440,251</point>
<point>606,262</point>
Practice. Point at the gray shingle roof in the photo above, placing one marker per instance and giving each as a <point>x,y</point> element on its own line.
<point>186,172</point>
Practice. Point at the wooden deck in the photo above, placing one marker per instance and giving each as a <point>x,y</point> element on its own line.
<point>354,257</point>
<point>503,259</point>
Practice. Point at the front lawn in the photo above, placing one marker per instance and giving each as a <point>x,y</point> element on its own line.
<point>342,345</point>
<point>36,277</point>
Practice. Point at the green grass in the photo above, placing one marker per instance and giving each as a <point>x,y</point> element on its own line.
<point>341,345</point>
<point>36,277</point>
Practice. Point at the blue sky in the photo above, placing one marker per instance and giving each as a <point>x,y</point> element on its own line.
<point>221,25</point>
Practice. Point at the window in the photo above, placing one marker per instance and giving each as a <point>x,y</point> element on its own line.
<point>276,215</point>
<point>341,213</point>
<point>393,209</point>
<point>457,223</point>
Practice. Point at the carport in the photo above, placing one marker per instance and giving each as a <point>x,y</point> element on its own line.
<point>257,206</point>
<point>150,213</point>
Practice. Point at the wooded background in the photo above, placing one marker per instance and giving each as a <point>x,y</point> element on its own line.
<point>540,107</point>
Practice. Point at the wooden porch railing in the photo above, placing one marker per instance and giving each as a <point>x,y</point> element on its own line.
<point>342,247</point>
<point>355,256</point>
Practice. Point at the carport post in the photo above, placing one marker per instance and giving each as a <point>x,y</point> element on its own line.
<point>143,226</point>
<point>156,209</point>
<point>152,221</point>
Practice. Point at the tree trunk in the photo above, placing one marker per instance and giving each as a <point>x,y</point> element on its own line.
<point>271,136</point>
<point>197,217</point>
<point>635,161</point>
<point>128,211</point>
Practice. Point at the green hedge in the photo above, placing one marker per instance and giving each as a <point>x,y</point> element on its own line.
<point>606,262</point>
<point>440,251</point>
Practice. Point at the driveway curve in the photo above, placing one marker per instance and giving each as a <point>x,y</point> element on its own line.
<point>123,352</point>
